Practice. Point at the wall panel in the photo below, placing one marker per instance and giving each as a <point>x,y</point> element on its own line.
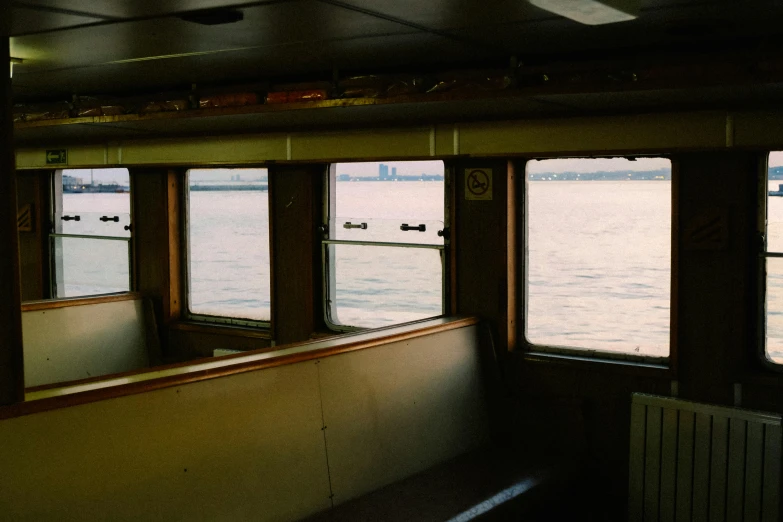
<point>249,447</point>
<point>367,144</point>
<point>398,409</point>
<point>597,135</point>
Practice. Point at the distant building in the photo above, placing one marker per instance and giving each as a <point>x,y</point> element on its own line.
<point>344,177</point>
<point>383,171</point>
<point>71,183</point>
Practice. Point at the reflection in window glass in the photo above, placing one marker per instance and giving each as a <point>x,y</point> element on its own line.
<point>774,266</point>
<point>228,243</point>
<point>369,285</point>
<point>380,286</point>
<point>91,233</point>
<point>93,266</point>
<point>599,254</point>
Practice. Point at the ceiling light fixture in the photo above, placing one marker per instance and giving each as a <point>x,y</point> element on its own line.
<point>592,12</point>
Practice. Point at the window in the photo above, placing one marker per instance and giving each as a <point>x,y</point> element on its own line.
<point>90,237</point>
<point>599,255</point>
<point>384,245</point>
<point>773,256</point>
<point>228,245</point>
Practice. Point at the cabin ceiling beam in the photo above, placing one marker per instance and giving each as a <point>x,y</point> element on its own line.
<point>11,365</point>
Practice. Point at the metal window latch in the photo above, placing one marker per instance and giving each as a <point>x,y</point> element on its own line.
<point>116,219</point>
<point>405,227</point>
<point>444,233</point>
<point>69,218</point>
<point>127,227</point>
<point>348,224</point>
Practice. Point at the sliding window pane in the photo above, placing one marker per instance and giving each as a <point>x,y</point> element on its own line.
<point>91,266</point>
<point>380,286</point>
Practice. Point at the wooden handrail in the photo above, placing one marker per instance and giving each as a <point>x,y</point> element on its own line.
<point>118,385</point>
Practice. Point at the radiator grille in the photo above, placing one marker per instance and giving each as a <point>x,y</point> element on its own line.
<point>697,462</point>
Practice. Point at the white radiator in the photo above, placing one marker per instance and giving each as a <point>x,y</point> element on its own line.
<point>698,462</point>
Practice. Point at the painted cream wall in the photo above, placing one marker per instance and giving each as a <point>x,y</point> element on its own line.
<point>398,409</point>
<point>249,446</point>
<point>79,342</point>
<point>643,132</point>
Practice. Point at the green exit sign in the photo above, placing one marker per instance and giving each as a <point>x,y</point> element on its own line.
<point>56,157</point>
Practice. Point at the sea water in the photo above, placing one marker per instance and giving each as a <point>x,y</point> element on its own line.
<point>598,270</point>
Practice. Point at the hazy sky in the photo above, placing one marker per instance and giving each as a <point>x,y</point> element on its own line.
<point>225,174</point>
<point>775,159</point>
<point>404,168</point>
<point>412,168</point>
<point>595,165</point>
<point>105,176</point>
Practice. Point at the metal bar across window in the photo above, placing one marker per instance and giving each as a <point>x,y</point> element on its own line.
<point>378,243</point>
<point>83,236</point>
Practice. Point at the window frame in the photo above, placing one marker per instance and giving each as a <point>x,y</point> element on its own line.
<point>762,255</point>
<point>589,354</point>
<point>185,249</point>
<point>327,228</point>
<point>55,195</point>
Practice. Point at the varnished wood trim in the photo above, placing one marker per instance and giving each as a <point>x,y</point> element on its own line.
<point>49,304</point>
<point>453,179</point>
<point>173,303</point>
<point>290,354</point>
<point>224,330</point>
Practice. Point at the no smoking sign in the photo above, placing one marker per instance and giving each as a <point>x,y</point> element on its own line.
<point>478,184</point>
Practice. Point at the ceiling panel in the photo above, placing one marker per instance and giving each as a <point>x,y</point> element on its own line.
<point>455,14</point>
<point>446,14</point>
<point>28,20</point>
<point>671,26</point>
<point>369,54</point>
<point>265,26</point>
<point>131,8</point>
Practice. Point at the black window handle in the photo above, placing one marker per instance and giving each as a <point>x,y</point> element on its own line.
<point>69,218</point>
<point>348,224</point>
<point>116,219</point>
<point>405,227</point>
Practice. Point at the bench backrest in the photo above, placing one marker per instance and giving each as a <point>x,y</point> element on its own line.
<point>83,339</point>
<point>276,443</point>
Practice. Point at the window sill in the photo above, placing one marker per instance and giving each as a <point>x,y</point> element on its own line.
<point>222,329</point>
<point>625,365</point>
<point>46,304</point>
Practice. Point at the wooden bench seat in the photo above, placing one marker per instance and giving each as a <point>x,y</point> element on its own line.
<point>490,483</point>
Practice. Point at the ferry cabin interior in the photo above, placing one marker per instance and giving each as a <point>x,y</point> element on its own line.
<point>125,406</point>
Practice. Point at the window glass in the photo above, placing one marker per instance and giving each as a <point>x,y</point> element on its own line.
<point>228,244</point>
<point>91,232</point>
<point>599,254</point>
<point>774,261</point>
<point>383,252</point>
